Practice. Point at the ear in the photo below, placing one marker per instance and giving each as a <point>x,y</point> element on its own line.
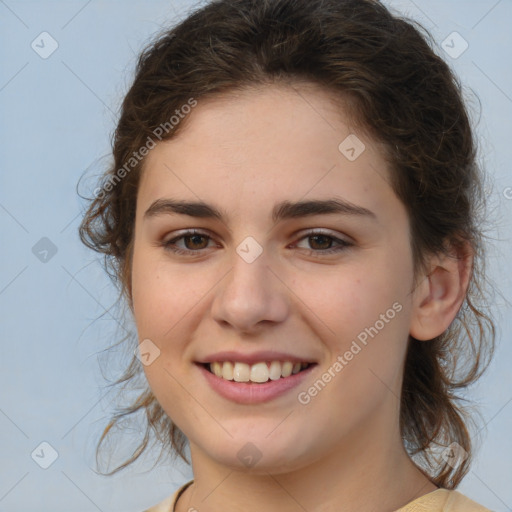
<point>441,292</point>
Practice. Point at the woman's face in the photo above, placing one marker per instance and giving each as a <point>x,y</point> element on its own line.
<point>327,283</point>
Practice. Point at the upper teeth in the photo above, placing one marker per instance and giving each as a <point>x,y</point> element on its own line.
<point>259,372</point>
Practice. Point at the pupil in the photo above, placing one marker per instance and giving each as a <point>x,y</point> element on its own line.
<point>326,239</point>
<point>194,238</point>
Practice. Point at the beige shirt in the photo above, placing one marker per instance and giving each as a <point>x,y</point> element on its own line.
<point>440,500</point>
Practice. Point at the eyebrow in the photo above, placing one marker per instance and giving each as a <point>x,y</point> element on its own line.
<point>281,211</point>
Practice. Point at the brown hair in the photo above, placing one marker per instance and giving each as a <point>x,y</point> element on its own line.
<point>402,93</point>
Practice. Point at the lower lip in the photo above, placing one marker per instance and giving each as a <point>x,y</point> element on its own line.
<point>254,393</point>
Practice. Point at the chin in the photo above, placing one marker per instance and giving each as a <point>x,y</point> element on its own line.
<point>260,455</point>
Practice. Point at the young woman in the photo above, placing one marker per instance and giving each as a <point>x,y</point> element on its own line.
<point>291,213</point>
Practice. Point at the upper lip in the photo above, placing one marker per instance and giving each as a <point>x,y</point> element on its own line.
<point>255,357</point>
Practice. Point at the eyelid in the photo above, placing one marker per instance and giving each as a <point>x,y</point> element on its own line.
<point>301,233</point>
<point>324,231</point>
<point>342,243</point>
<point>187,233</point>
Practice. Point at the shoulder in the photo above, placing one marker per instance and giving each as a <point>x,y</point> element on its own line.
<point>456,502</point>
<point>443,500</point>
<point>168,504</point>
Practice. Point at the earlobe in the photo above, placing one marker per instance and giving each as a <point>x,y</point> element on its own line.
<point>438,298</point>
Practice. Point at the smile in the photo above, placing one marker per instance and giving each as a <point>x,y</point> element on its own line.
<point>258,373</point>
<point>234,380</point>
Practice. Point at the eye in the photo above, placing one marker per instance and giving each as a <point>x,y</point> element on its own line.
<point>193,240</point>
<point>322,243</point>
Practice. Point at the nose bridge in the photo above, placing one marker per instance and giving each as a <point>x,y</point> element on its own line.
<point>249,294</point>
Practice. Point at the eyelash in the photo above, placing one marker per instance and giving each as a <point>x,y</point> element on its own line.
<point>343,244</point>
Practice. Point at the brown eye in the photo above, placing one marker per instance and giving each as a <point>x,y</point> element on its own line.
<point>195,241</point>
<point>321,242</point>
<point>190,243</point>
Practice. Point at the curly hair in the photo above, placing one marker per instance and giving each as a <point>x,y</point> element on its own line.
<point>403,94</point>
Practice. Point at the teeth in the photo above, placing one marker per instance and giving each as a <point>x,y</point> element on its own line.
<point>275,370</point>
<point>241,372</point>
<point>227,370</point>
<point>259,372</point>
<point>286,369</point>
<point>216,368</point>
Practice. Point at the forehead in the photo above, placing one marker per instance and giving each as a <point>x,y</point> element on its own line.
<point>257,147</point>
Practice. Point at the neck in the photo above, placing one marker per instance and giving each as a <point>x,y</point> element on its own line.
<point>371,473</point>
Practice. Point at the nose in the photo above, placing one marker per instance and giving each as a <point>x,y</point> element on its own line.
<point>250,297</point>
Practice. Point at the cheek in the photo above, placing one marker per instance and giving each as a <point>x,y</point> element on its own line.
<point>163,305</point>
<point>369,319</point>
<point>351,298</point>
<point>161,296</point>
<point>367,312</point>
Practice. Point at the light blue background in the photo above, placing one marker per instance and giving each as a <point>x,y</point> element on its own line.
<point>57,115</point>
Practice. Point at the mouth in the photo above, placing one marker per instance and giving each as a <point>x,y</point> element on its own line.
<point>258,373</point>
<point>256,383</point>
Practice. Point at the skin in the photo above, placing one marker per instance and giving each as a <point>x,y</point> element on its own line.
<point>243,153</point>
